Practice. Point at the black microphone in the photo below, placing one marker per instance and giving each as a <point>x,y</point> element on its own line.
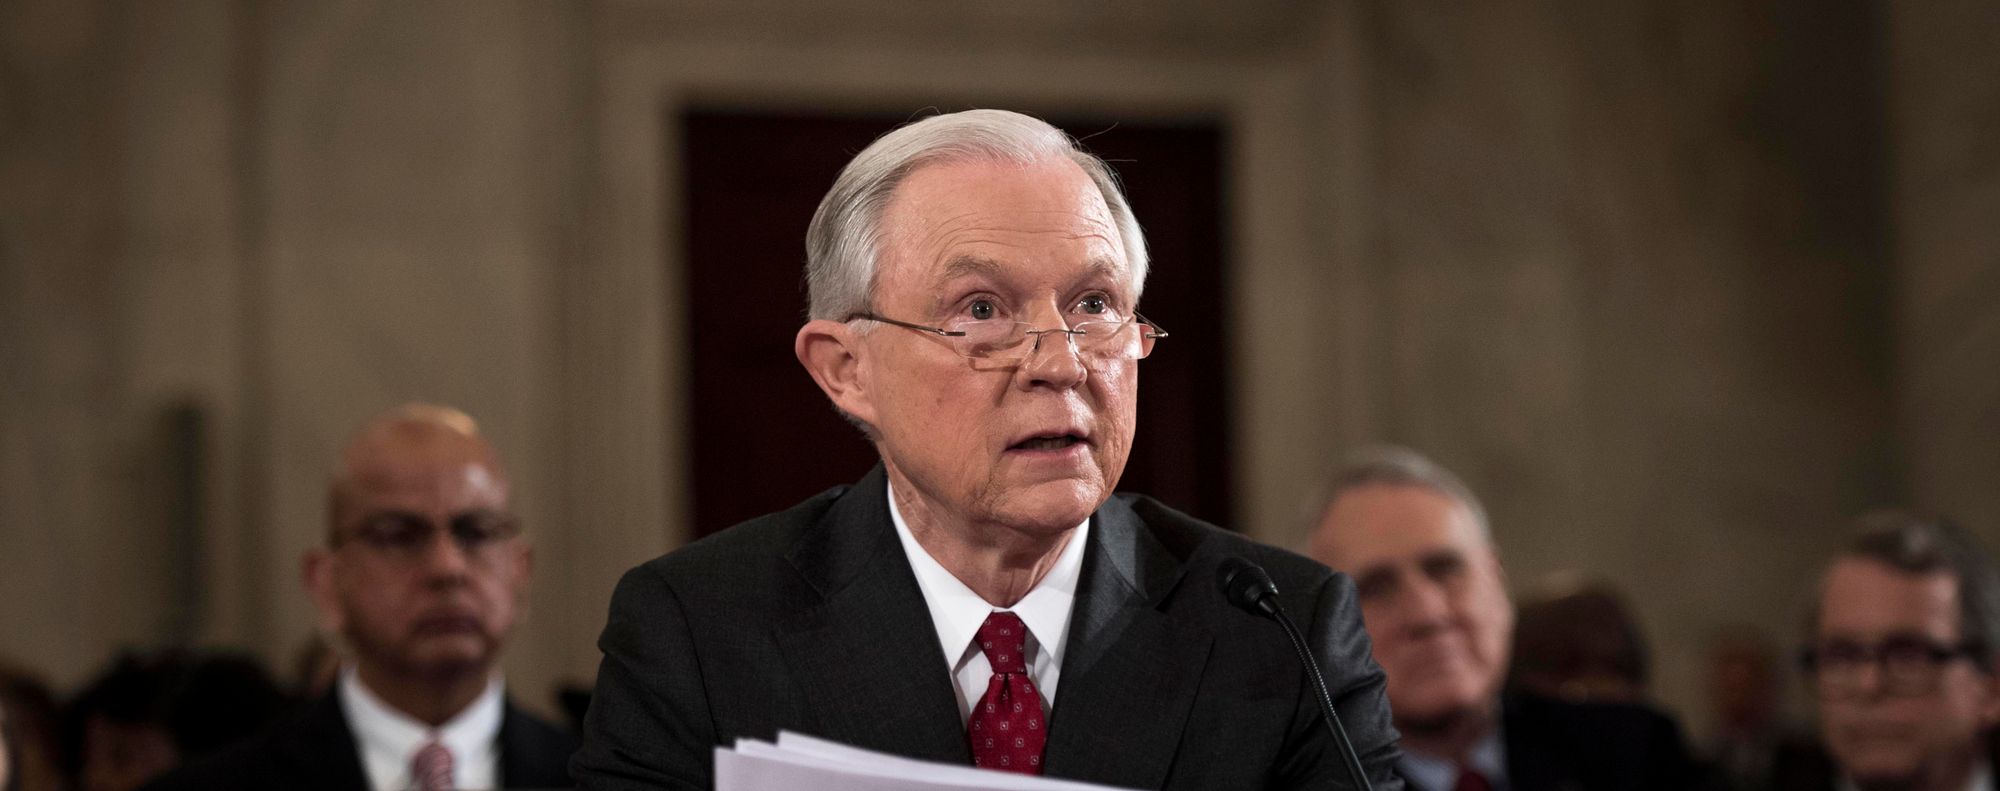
<point>1249,588</point>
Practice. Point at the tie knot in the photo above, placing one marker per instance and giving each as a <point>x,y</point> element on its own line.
<point>1472,780</point>
<point>430,768</point>
<point>1003,638</point>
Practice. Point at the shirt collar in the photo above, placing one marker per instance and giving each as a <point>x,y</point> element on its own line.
<point>380,727</point>
<point>1488,757</point>
<point>957,612</point>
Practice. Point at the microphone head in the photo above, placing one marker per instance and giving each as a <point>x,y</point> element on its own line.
<point>1246,585</point>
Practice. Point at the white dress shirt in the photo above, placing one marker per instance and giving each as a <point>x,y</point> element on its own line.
<point>388,738</point>
<point>957,612</point>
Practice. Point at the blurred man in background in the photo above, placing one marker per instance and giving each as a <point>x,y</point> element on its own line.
<point>1903,658</point>
<point>1576,639</point>
<point>1433,596</point>
<point>1745,697</point>
<point>150,712</point>
<point>116,728</point>
<point>422,576</point>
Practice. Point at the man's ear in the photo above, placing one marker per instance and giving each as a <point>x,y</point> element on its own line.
<point>831,352</point>
<point>316,571</point>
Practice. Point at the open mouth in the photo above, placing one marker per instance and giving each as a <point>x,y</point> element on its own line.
<point>1050,442</point>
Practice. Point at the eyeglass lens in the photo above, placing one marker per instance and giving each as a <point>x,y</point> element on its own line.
<point>1906,665</point>
<point>1012,339</point>
<point>406,535</point>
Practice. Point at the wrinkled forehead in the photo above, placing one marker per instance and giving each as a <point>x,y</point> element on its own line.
<point>1102,270</point>
<point>1042,224</point>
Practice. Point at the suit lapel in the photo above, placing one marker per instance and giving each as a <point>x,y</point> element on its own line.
<point>513,751</point>
<point>867,657</point>
<point>530,755</point>
<point>1131,671</point>
<point>324,755</point>
<point>1533,760</point>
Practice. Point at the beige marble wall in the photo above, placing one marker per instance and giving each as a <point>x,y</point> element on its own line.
<point>1623,273</point>
<point>121,289</point>
<point>291,216</point>
<point>58,282</point>
<point>1945,118</point>
<point>1626,267</point>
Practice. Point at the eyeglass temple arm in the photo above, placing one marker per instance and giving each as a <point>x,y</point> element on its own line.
<point>1153,331</point>
<point>938,331</point>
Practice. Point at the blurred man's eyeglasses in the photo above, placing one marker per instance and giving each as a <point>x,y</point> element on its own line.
<point>1901,665</point>
<point>1005,341</point>
<point>408,537</point>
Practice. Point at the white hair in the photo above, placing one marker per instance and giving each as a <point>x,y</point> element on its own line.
<point>1392,465</point>
<point>843,243</point>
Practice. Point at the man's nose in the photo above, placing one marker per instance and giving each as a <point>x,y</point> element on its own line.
<point>1053,359</point>
<point>1423,605</point>
<point>1867,682</point>
<point>444,559</point>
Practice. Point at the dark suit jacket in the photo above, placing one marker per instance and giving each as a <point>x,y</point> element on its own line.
<point>1554,745</point>
<point>314,751</point>
<point>811,620</point>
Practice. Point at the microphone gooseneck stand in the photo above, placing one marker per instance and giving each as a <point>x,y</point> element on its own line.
<point>1249,587</point>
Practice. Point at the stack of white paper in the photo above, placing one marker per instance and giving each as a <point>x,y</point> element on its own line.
<point>802,762</point>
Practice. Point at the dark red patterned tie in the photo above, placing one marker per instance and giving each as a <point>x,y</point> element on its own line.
<point>1006,728</point>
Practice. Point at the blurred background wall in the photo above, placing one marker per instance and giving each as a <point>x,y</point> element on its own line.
<point>1676,286</point>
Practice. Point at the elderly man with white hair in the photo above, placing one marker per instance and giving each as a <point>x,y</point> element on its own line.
<point>980,597</point>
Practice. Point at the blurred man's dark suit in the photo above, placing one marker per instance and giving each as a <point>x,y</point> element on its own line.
<point>315,750</point>
<point>1553,745</point>
<point>811,620</point>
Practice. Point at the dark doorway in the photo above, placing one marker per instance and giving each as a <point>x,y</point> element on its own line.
<point>764,437</point>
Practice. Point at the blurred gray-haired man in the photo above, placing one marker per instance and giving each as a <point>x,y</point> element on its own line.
<point>1434,597</point>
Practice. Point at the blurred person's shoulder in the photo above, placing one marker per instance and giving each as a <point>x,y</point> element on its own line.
<point>534,752</point>
<point>1609,739</point>
<point>1802,764</point>
<point>1582,718</point>
<point>309,748</point>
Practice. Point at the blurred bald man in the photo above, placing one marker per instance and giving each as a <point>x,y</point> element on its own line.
<point>1434,601</point>
<point>421,577</point>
